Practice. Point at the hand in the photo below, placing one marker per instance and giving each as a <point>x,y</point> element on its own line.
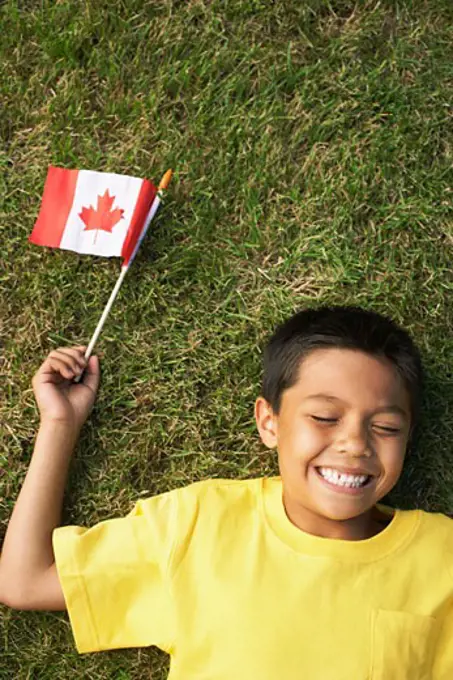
<point>59,399</point>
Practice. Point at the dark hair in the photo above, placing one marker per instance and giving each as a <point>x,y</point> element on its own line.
<point>342,327</point>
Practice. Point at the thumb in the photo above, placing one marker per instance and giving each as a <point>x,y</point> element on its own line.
<point>92,374</point>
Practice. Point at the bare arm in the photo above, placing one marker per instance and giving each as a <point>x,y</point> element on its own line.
<point>27,566</point>
<point>28,576</point>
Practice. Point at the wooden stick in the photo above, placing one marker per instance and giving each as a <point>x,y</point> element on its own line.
<point>124,269</point>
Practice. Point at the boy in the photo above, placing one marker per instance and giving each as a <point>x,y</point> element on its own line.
<point>302,576</point>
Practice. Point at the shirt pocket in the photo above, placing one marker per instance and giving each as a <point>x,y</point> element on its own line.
<point>402,645</point>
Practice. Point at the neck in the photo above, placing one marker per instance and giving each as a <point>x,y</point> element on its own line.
<point>357,528</point>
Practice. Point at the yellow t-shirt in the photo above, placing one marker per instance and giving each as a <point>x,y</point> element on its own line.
<point>216,575</point>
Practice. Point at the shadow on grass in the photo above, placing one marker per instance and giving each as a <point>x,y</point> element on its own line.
<point>427,475</point>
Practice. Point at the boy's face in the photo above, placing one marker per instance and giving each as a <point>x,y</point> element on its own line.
<point>346,410</point>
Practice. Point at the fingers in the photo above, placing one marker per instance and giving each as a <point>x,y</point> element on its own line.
<point>92,374</point>
<point>66,362</point>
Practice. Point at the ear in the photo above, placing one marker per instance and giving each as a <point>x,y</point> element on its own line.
<point>266,422</point>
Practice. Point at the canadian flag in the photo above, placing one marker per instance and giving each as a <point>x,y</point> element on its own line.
<point>97,213</point>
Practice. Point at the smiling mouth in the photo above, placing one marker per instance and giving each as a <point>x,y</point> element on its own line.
<point>356,489</point>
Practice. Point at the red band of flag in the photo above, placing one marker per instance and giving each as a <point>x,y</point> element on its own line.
<point>145,198</point>
<point>52,218</point>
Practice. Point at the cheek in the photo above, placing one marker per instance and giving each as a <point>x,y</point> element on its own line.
<point>392,458</point>
<point>303,441</point>
<point>389,459</point>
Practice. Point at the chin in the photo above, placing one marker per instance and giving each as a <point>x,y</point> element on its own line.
<point>341,514</point>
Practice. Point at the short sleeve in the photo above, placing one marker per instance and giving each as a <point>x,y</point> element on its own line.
<point>443,660</point>
<point>115,577</point>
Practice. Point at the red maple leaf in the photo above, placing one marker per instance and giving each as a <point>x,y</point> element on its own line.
<point>103,217</point>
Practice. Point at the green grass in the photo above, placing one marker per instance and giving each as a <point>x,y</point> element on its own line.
<point>312,149</point>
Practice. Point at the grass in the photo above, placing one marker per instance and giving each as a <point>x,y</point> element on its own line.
<point>312,148</point>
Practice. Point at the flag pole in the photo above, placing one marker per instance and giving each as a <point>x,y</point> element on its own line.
<point>163,184</point>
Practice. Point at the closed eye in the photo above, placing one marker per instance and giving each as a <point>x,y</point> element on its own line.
<point>324,420</point>
<point>389,430</point>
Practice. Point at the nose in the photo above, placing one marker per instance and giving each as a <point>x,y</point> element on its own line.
<point>352,439</point>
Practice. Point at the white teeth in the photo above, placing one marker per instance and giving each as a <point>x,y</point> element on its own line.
<point>340,479</point>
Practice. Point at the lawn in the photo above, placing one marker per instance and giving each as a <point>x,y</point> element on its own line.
<point>312,151</point>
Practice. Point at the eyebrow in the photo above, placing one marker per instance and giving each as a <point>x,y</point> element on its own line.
<point>391,408</point>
